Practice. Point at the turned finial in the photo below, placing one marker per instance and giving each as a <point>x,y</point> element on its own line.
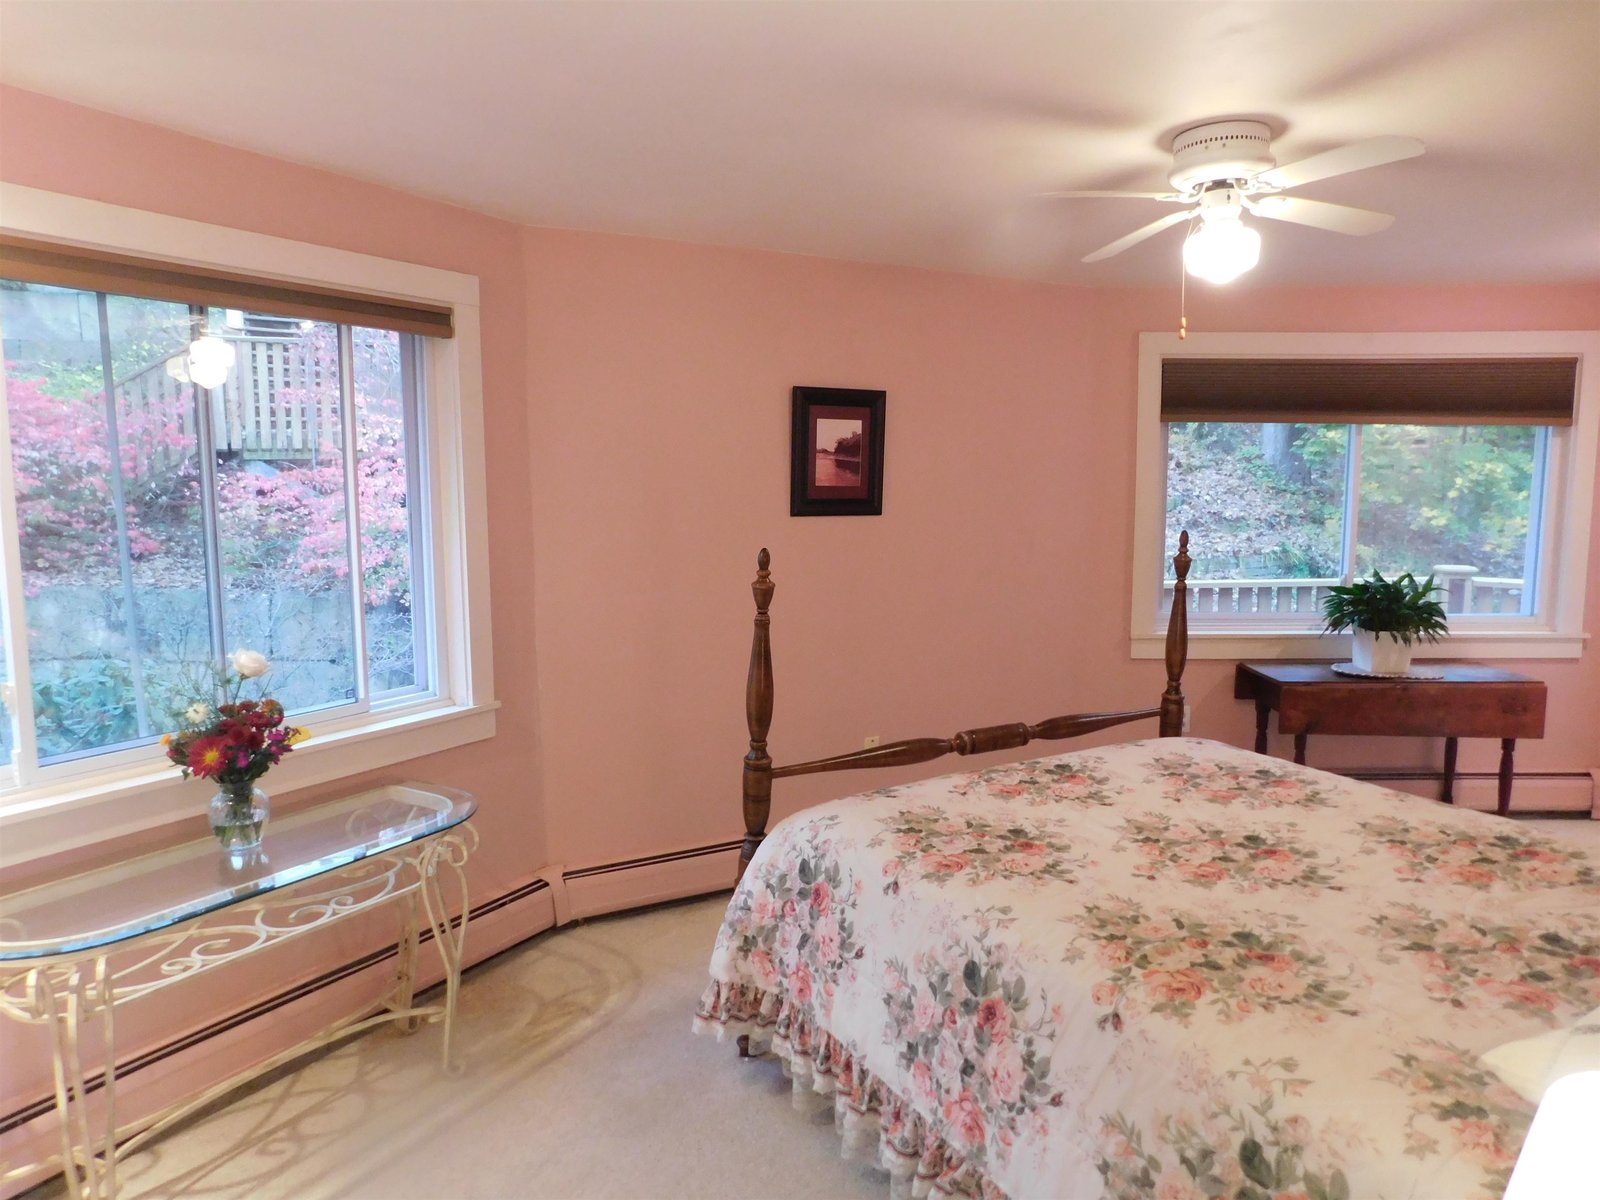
<point>1181,561</point>
<point>762,585</point>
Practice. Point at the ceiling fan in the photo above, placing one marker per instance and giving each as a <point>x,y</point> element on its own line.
<point>1224,169</point>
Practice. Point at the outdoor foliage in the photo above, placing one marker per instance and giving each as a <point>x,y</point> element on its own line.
<point>1264,501</point>
<point>281,521</point>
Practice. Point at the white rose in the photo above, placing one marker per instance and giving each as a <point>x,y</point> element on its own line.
<point>249,663</point>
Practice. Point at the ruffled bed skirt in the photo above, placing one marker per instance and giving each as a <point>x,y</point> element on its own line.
<point>874,1122</point>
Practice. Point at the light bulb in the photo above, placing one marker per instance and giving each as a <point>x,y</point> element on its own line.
<point>1223,248</point>
<point>210,360</point>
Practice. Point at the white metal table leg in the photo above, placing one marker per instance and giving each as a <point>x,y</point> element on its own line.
<point>450,940</point>
<point>83,1147</point>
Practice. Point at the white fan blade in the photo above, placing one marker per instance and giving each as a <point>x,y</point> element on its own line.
<point>1357,156</point>
<point>1170,197</point>
<point>1137,236</point>
<point>1336,218</point>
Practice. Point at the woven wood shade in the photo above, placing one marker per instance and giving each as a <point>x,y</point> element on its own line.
<point>1341,391</point>
<point>97,271</point>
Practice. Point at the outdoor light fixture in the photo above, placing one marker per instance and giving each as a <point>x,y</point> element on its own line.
<point>1224,247</point>
<point>206,364</point>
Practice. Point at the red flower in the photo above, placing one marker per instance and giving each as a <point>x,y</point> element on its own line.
<point>208,756</point>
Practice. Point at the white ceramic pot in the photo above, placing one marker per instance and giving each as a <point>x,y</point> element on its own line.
<point>1379,653</point>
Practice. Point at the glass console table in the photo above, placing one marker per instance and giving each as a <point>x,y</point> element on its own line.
<point>73,949</point>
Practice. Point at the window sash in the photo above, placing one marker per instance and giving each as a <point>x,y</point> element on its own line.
<point>1530,605</point>
<point>26,769</point>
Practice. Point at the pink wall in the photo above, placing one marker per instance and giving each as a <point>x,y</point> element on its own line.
<point>48,144</point>
<point>636,399</point>
<point>994,587</point>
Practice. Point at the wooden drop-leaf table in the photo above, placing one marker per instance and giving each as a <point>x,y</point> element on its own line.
<point>1469,701</point>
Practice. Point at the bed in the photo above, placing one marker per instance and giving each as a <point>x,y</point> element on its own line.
<point>1167,968</point>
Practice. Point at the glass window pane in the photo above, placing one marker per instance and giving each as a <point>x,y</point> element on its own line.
<point>108,511</point>
<point>1453,501</point>
<point>281,512</point>
<point>1264,507</point>
<point>384,385</point>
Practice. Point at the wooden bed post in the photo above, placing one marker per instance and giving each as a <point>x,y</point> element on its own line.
<point>1177,643</point>
<point>758,715</point>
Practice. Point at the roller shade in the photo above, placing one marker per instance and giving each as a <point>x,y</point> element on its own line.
<point>1341,391</point>
<point>98,271</point>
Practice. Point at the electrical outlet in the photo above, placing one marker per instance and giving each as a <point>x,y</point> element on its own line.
<point>872,740</point>
<point>1188,719</point>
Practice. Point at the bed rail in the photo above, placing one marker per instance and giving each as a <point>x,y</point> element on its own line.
<point>759,771</point>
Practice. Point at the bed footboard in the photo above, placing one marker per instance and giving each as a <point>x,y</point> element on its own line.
<point>758,696</point>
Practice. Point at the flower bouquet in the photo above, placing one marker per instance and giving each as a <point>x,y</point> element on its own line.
<point>232,740</point>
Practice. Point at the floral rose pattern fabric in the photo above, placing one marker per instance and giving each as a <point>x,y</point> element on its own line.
<point>931,844</point>
<point>1208,855</point>
<point>1168,969</point>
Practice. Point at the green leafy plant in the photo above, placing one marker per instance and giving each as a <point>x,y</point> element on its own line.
<point>1400,606</point>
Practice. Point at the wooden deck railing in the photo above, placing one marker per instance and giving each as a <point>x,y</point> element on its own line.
<point>274,404</point>
<point>1467,592</point>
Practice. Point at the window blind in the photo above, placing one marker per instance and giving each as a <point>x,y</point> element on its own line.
<point>49,263</point>
<point>1349,391</point>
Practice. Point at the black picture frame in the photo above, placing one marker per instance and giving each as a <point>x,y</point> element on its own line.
<point>825,478</point>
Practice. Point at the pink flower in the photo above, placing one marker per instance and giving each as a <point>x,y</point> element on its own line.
<point>892,867</point>
<point>1273,985</point>
<point>1028,847</point>
<point>945,864</point>
<point>1182,985</point>
<point>1551,872</point>
<point>1105,993</point>
<point>1481,1139</point>
<point>1278,870</point>
<point>966,1121</point>
<point>821,898</point>
<point>1113,954</point>
<point>1470,874</point>
<point>766,971</point>
<point>1006,1074</point>
<point>1518,992</point>
<point>994,1016</point>
<point>800,983</point>
<point>1206,872</point>
<point>1019,864</point>
<point>828,944</point>
<point>926,1012</point>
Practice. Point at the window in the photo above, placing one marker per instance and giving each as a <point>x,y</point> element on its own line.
<point>318,498</point>
<point>161,522</point>
<point>1299,461</point>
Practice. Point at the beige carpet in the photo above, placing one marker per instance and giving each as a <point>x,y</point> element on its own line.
<point>582,1081</point>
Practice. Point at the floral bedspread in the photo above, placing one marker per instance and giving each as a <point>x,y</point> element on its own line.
<point>1169,969</point>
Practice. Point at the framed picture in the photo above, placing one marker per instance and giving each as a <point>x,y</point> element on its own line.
<point>836,453</point>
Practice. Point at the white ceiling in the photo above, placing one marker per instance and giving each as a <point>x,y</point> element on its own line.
<point>904,131</point>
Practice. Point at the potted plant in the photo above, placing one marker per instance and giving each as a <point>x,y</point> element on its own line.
<point>1386,617</point>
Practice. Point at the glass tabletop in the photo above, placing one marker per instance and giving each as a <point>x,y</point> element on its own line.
<point>113,903</point>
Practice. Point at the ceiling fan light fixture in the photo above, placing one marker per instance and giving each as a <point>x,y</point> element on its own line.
<point>1223,248</point>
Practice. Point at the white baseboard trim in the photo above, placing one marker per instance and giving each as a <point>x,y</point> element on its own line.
<point>198,1058</point>
<point>1573,793</point>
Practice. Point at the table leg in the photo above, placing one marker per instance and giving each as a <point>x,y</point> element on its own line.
<point>405,974</point>
<point>1263,711</point>
<point>1447,792</point>
<point>1300,748</point>
<point>451,941</point>
<point>88,1152</point>
<point>1508,748</point>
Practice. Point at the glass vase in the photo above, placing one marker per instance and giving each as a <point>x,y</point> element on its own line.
<point>239,813</point>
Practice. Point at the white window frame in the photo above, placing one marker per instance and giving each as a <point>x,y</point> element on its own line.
<point>124,799</point>
<point>1555,631</point>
